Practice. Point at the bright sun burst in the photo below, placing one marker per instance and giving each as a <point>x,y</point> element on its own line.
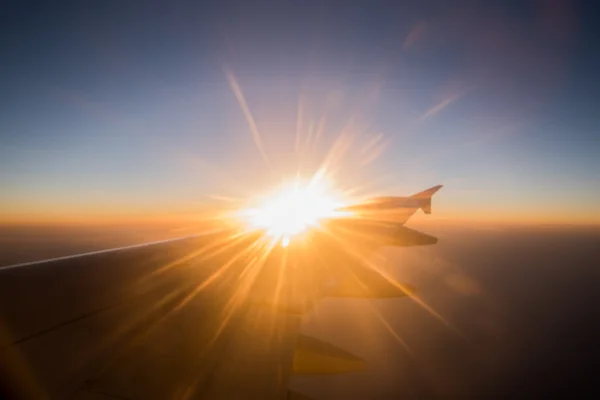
<point>294,210</point>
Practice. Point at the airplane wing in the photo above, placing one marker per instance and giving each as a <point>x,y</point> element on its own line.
<point>143,323</point>
<point>210,317</point>
<point>393,209</point>
<point>183,319</point>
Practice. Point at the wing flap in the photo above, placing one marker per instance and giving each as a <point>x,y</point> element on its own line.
<point>315,357</point>
<point>259,358</point>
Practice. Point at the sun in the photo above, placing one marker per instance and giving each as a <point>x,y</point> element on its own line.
<point>293,210</point>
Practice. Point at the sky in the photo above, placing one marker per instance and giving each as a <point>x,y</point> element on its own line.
<point>121,110</point>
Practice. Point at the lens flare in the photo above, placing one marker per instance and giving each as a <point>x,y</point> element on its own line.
<point>293,210</point>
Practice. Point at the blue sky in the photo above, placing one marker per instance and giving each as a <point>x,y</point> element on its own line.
<point>118,105</point>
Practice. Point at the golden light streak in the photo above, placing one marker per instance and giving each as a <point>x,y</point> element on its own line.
<point>445,102</point>
<point>350,248</point>
<point>226,243</point>
<point>319,132</point>
<point>239,95</point>
<point>253,268</point>
<point>299,123</point>
<point>218,273</point>
<point>374,149</point>
<point>392,331</point>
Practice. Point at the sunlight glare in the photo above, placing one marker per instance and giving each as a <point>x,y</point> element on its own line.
<point>294,210</point>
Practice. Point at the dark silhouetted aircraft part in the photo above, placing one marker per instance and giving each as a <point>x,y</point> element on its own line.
<point>207,317</point>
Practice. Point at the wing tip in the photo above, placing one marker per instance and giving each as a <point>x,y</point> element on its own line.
<point>427,193</point>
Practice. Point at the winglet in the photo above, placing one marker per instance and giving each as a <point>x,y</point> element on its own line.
<point>424,198</point>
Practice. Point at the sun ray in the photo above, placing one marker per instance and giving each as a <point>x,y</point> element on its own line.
<point>241,293</point>
<point>239,95</point>
<point>218,273</point>
<point>350,248</point>
<point>391,330</point>
<point>299,123</point>
<point>226,243</point>
<point>320,128</point>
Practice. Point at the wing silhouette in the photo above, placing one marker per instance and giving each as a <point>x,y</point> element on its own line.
<point>210,316</point>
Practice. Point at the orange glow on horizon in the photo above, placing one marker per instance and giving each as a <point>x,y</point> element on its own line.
<point>442,215</point>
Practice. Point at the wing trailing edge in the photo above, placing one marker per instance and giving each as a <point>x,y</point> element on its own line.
<point>316,357</point>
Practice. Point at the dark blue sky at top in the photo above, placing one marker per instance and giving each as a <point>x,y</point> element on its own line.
<point>130,100</point>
